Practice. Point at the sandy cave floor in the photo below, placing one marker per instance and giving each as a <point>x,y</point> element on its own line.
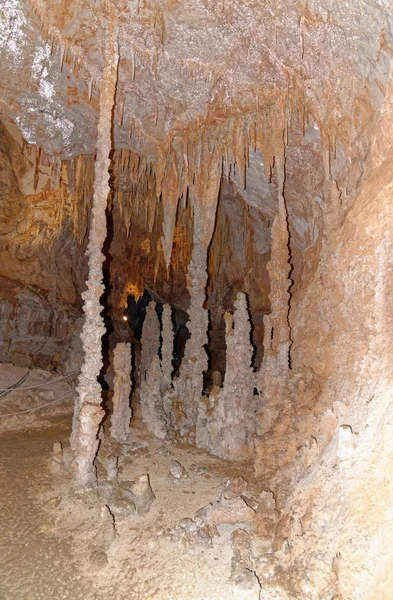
<point>48,530</point>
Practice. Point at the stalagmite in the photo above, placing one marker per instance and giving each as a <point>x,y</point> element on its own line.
<point>273,376</point>
<point>120,421</point>
<point>166,348</point>
<point>151,375</point>
<point>277,338</point>
<point>246,583</point>
<point>188,387</point>
<point>226,422</point>
<point>88,412</point>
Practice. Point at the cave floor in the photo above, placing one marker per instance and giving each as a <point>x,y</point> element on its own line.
<point>48,529</point>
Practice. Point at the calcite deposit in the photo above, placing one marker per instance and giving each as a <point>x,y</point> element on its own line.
<point>226,422</point>
<point>188,387</point>
<point>196,222</point>
<point>121,414</point>
<point>88,412</point>
<point>151,375</point>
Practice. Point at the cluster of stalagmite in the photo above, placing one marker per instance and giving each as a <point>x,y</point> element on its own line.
<point>88,412</point>
<point>121,415</point>
<point>151,375</point>
<point>226,419</point>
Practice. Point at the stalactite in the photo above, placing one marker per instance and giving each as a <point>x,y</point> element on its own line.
<point>63,52</point>
<point>226,422</point>
<point>170,194</point>
<point>56,40</point>
<point>152,212</point>
<point>120,420</point>
<point>279,268</point>
<point>71,176</point>
<point>239,150</point>
<point>151,375</point>
<point>90,87</point>
<point>88,412</point>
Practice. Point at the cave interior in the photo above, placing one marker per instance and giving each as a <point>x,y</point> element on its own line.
<point>195,359</point>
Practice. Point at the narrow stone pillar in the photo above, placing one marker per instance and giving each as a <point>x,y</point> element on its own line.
<point>188,387</point>
<point>121,416</point>
<point>166,348</point>
<point>88,412</point>
<point>277,334</point>
<point>226,423</point>
<point>150,340</point>
<point>273,376</point>
<point>152,402</point>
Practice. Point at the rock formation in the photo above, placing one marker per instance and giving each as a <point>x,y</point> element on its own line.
<point>226,420</point>
<point>273,376</point>
<point>121,416</point>
<point>88,412</point>
<point>231,162</point>
<point>152,403</point>
<point>166,349</point>
<point>188,387</point>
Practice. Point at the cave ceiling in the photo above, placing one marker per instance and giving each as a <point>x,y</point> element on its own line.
<point>186,66</point>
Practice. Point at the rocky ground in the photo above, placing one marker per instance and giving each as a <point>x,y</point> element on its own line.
<point>165,522</point>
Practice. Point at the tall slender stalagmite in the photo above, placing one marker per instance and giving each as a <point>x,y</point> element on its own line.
<point>226,425</point>
<point>277,333</point>
<point>121,416</point>
<point>151,375</point>
<point>166,348</point>
<point>88,412</point>
<point>188,387</point>
<point>272,379</point>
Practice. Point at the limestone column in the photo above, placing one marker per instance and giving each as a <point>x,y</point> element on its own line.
<point>188,387</point>
<point>152,408</point>
<point>272,379</point>
<point>88,412</point>
<point>239,423</point>
<point>166,348</point>
<point>277,335</point>
<point>121,416</point>
<point>226,426</point>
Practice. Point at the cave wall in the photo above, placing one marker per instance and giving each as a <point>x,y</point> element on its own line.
<point>327,456</point>
<point>332,451</point>
<point>42,265</point>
